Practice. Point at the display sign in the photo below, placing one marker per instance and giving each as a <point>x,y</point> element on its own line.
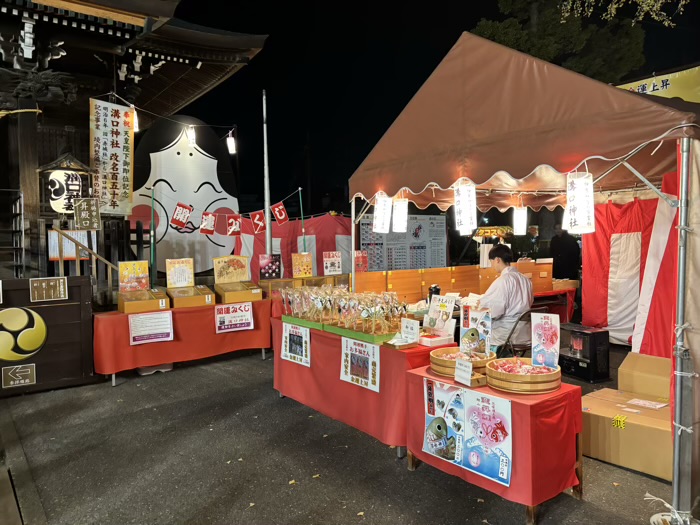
<point>112,149</point>
<point>579,215</point>
<point>69,246</point>
<point>302,265</point>
<point>208,224</point>
<point>474,329</point>
<point>20,375</point>
<point>48,289</point>
<point>64,187</point>
<point>545,339</point>
<point>423,245</point>
<point>296,344</point>
<point>280,213</point>
<point>360,364</point>
<point>463,371</point>
<point>233,225</point>
<point>682,84</point>
<point>332,263</point>
<point>258,220</point>
<point>154,327</point>
<point>439,317</point>
<point>361,261</point>
<point>133,276</point>
<point>469,429</point>
<point>410,330</point>
<point>179,273</point>
<point>270,266</point>
<point>234,317</point>
<point>231,269</point>
<point>87,214</point>
<point>181,217</point>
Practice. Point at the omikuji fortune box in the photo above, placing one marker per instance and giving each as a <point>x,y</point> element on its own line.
<point>140,301</point>
<point>237,292</point>
<point>191,296</point>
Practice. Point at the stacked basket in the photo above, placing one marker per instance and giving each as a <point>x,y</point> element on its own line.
<point>446,367</point>
<point>522,383</point>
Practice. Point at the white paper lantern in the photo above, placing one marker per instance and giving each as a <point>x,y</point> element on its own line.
<point>465,208</point>
<point>191,135</point>
<point>231,143</point>
<point>580,208</point>
<point>519,220</point>
<point>382,214</point>
<point>400,216</point>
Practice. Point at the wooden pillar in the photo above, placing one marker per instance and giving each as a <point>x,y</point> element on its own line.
<point>28,163</point>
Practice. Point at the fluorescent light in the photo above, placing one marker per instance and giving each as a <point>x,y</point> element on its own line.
<point>400,217</point>
<point>382,214</point>
<point>191,135</point>
<point>519,220</point>
<point>231,143</point>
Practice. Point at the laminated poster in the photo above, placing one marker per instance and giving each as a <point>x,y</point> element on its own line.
<point>179,272</point>
<point>302,265</point>
<point>296,345</point>
<point>361,261</point>
<point>469,429</point>
<point>332,263</point>
<point>270,266</point>
<point>440,315</point>
<point>152,327</point>
<point>474,329</point>
<point>360,364</point>
<point>230,269</point>
<point>234,317</point>
<point>545,340</point>
<point>133,276</point>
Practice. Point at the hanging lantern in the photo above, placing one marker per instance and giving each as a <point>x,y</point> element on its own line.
<point>231,143</point>
<point>580,211</point>
<point>382,214</point>
<point>519,220</point>
<point>400,216</point>
<point>191,135</point>
<point>565,219</point>
<point>465,208</point>
<point>136,118</point>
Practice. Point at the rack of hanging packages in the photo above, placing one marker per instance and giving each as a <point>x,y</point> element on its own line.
<point>470,137</point>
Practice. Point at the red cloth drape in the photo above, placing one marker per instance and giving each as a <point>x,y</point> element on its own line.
<point>544,440</point>
<point>194,338</point>
<point>381,415</point>
<point>564,311</point>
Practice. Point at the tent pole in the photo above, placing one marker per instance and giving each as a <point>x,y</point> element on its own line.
<point>352,244</point>
<point>266,180</point>
<point>683,417</point>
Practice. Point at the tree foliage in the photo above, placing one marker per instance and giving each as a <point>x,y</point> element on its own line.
<point>660,10</point>
<point>604,51</point>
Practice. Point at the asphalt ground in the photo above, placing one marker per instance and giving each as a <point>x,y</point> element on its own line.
<point>213,443</point>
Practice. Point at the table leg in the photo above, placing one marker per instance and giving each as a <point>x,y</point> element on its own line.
<point>400,452</point>
<point>281,395</point>
<point>413,461</point>
<point>263,354</point>
<point>577,490</point>
<point>114,379</point>
<point>531,515</point>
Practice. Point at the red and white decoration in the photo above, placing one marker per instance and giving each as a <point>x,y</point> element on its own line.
<point>208,224</point>
<point>233,225</point>
<point>629,273</point>
<point>258,218</point>
<point>181,215</point>
<point>280,213</point>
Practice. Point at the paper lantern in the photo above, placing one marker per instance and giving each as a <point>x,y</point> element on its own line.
<point>580,211</point>
<point>519,220</point>
<point>400,216</point>
<point>136,119</point>
<point>465,208</point>
<point>382,214</point>
<point>191,135</point>
<point>231,143</point>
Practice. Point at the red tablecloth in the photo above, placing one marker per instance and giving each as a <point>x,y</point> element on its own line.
<point>194,338</point>
<point>565,311</point>
<point>381,415</point>
<point>544,440</point>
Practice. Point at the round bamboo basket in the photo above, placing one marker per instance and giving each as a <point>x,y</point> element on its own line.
<point>522,383</point>
<point>446,367</point>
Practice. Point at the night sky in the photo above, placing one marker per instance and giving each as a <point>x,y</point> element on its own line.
<point>338,75</point>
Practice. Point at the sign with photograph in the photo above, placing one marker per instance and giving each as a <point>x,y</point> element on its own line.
<point>474,330</point>
<point>332,263</point>
<point>111,154</point>
<point>440,315</point>
<point>296,344</point>
<point>152,327</point>
<point>545,339</point>
<point>360,364</point>
<point>87,214</point>
<point>234,317</point>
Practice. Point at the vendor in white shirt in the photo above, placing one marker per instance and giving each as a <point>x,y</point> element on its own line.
<point>508,297</point>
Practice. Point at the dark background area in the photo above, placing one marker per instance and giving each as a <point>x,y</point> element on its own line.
<point>338,74</point>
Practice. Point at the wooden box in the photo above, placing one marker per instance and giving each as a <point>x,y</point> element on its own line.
<point>271,287</point>
<point>440,276</point>
<point>316,281</point>
<point>465,280</point>
<point>539,273</point>
<point>191,296</point>
<point>406,284</point>
<point>370,282</point>
<point>140,301</point>
<point>239,292</point>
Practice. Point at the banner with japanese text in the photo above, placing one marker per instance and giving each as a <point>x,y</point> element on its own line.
<point>112,156</point>
<point>682,84</point>
<point>360,364</point>
<point>234,317</point>
<point>296,344</point>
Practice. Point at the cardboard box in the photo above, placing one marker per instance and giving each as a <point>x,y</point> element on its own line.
<point>191,296</point>
<point>645,375</point>
<point>140,301</point>
<point>237,292</point>
<point>628,435</point>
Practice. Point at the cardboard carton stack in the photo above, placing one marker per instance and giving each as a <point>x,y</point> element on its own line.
<point>631,427</point>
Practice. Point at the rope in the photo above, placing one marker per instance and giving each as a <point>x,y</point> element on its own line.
<point>686,374</point>
<point>681,428</point>
<point>674,512</point>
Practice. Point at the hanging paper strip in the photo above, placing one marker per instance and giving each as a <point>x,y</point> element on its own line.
<point>208,224</point>
<point>579,203</point>
<point>258,218</point>
<point>382,214</point>
<point>181,215</point>
<point>233,225</point>
<point>280,213</point>
<point>465,208</point>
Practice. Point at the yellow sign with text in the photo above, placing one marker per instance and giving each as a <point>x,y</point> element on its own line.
<point>682,84</point>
